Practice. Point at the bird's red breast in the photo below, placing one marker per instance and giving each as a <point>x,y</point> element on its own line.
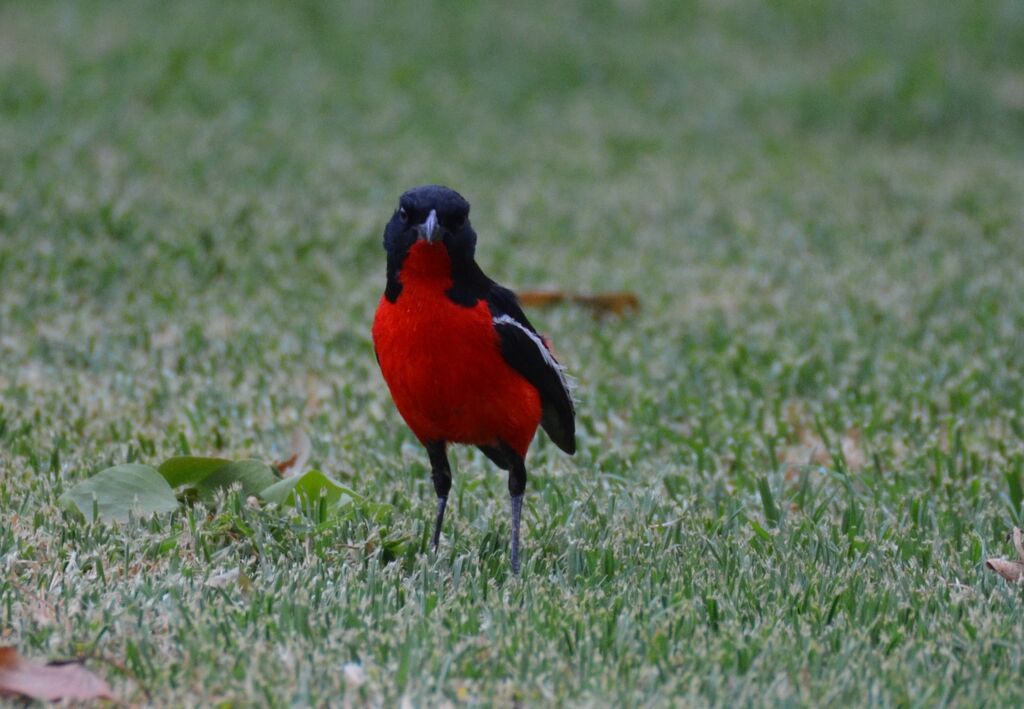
<point>443,364</point>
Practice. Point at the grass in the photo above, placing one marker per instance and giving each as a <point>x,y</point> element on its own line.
<point>793,460</point>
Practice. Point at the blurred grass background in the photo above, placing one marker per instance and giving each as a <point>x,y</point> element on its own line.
<point>794,459</point>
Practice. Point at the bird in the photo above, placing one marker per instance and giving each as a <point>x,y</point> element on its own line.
<point>461,360</point>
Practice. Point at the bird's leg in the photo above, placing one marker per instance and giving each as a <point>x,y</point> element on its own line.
<point>442,502</point>
<point>517,511</point>
<point>516,488</point>
<point>441,474</point>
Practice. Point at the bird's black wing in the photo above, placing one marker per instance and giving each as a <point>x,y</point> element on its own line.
<point>527,353</point>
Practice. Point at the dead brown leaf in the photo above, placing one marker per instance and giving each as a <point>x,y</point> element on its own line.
<point>1012,571</point>
<point>51,682</point>
<point>301,450</point>
<point>542,298</point>
<point>615,303</point>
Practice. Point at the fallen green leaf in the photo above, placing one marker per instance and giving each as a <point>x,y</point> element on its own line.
<point>190,469</point>
<point>252,475</point>
<point>115,492</point>
<point>309,487</point>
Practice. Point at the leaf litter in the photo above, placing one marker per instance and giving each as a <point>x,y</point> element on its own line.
<point>1011,569</point>
<point>302,448</point>
<point>49,682</point>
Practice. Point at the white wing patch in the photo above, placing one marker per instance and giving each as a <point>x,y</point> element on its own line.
<point>549,360</point>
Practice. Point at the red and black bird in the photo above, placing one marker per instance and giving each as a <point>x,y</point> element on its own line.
<point>462,361</point>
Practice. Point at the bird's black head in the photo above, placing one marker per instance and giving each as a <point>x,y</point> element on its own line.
<point>434,214</point>
<point>439,217</point>
<point>436,218</point>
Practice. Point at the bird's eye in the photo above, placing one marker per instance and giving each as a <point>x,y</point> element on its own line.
<point>403,214</point>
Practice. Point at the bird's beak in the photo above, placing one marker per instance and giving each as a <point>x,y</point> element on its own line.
<point>428,229</point>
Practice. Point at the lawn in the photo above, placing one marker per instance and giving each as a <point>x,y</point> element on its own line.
<point>794,458</point>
